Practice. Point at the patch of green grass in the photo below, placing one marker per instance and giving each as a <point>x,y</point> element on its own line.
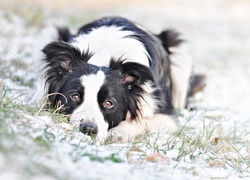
<point>210,147</point>
<point>8,104</point>
<point>113,157</point>
<point>8,70</point>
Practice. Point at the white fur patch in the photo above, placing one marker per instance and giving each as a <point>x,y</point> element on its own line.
<point>181,67</point>
<point>147,103</point>
<point>127,130</point>
<point>111,42</point>
<point>89,111</point>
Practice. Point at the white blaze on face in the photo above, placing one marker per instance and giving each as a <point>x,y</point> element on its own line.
<point>89,110</point>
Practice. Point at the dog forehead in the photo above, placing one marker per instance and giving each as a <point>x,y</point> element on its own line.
<point>93,82</point>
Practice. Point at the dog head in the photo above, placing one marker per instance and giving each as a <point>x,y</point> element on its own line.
<point>97,97</point>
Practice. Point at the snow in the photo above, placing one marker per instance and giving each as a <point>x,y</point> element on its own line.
<point>34,146</point>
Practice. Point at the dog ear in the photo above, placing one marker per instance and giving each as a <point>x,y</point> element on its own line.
<point>134,77</point>
<point>134,72</point>
<point>58,57</point>
<point>170,38</point>
<point>62,57</point>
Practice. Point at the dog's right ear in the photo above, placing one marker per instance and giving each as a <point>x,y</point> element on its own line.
<point>59,56</point>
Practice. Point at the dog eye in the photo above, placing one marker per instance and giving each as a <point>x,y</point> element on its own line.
<point>107,104</point>
<point>75,97</point>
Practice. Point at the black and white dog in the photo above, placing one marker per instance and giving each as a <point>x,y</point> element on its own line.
<point>115,76</point>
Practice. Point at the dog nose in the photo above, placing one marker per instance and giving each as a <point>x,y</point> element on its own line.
<point>89,128</point>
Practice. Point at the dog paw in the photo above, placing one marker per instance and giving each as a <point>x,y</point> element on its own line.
<point>118,135</point>
<point>126,131</point>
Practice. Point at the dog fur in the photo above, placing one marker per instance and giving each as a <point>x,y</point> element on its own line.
<point>117,79</point>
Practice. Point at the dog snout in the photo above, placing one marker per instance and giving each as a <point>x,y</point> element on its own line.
<point>89,128</point>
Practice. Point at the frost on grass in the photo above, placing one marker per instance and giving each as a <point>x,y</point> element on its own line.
<point>213,142</point>
<point>35,146</point>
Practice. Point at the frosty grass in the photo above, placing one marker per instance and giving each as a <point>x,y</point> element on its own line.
<point>213,142</point>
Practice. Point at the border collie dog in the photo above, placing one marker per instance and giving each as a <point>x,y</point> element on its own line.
<point>117,79</point>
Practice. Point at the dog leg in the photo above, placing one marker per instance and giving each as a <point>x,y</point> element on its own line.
<point>181,68</point>
<point>127,130</point>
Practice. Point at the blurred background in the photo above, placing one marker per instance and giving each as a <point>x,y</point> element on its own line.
<point>217,32</point>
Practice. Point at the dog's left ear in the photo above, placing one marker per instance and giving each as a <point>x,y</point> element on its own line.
<point>136,73</point>
<point>132,72</point>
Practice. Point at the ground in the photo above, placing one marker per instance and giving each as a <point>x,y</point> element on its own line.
<point>214,140</point>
